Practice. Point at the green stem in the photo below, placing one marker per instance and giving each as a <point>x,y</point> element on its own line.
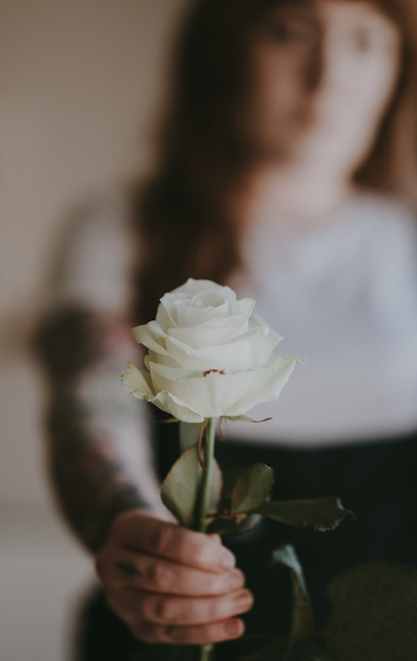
<point>204,504</point>
<point>205,652</point>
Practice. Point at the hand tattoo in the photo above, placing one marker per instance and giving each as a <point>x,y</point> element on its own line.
<point>129,569</point>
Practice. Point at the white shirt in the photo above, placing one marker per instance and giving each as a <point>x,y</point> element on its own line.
<point>343,294</point>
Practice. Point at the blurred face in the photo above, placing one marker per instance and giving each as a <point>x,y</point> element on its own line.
<point>323,76</point>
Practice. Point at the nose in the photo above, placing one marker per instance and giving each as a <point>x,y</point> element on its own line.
<point>315,64</point>
<point>328,67</point>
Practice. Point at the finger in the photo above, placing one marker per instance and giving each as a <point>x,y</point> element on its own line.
<point>138,605</point>
<point>147,572</point>
<point>190,635</point>
<point>167,540</point>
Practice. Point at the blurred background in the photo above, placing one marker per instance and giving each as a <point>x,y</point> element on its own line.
<point>80,86</point>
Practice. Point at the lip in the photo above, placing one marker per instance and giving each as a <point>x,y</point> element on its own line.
<point>308,119</point>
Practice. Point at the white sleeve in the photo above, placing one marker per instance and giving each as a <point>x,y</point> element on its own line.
<point>94,263</point>
<point>94,274</point>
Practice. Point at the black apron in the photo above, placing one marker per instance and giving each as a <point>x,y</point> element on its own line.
<point>376,480</point>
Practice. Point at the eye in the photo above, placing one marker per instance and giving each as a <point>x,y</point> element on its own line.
<point>290,30</point>
<point>362,40</point>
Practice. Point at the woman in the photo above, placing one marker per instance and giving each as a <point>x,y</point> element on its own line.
<point>290,128</point>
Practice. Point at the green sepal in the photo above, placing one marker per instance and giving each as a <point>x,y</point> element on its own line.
<point>242,418</point>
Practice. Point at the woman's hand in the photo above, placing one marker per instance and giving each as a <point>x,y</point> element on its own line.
<point>170,584</point>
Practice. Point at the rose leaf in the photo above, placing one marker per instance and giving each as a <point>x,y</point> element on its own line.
<point>303,622</point>
<point>234,525</point>
<point>180,489</point>
<point>252,488</point>
<point>243,418</point>
<point>286,649</point>
<point>226,523</point>
<point>319,514</point>
<point>374,613</point>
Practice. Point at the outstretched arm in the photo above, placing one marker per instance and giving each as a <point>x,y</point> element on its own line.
<point>99,455</point>
<point>165,582</point>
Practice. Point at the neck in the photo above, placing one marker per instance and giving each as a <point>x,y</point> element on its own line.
<point>300,196</point>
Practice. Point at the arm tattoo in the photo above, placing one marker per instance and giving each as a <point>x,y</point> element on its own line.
<point>99,457</point>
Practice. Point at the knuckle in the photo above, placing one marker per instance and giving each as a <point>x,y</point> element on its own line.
<point>159,576</point>
<point>151,573</point>
<point>142,606</point>
<point>162,538</point>
<point>214,608</point>
<point>206,552</point>
<point>190,635</point>
<point>176,634</point>
<point>201,553</point>
<point>163,610</point>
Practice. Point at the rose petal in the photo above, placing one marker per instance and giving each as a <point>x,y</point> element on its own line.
<point>164,319</point>
<point>268,390</point>
<point>246,351</point>
<point>153,338</point>
<point>137,382</point>
<point>169,403</point>
<point>196,286</point>
<point>230,392</point>
<point>209,355</point>
<point>200,300</point>
<point>202,335</point>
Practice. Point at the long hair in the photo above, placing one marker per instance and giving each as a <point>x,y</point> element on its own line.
<point>392,163</point>
<point>185,213</point>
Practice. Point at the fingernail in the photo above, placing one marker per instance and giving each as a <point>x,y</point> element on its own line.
<point>226,559</point>
<point>236,579</point>
<point>234,628</point>
<point>244,599</point>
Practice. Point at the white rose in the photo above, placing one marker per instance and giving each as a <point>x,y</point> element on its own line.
<point>209,356</point>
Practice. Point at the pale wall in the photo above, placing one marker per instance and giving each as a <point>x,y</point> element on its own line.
<point>80,82</point>
<point>79,85</point>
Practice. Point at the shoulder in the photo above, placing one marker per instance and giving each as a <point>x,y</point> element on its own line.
<point>385,229</point>
<point>96,255</point>
<point>383,211</point>
<point>380,221</point>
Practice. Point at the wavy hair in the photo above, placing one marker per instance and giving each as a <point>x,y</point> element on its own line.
<point>185,212</point>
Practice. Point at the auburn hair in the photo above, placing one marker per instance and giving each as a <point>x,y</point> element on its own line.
<point>185,212</point>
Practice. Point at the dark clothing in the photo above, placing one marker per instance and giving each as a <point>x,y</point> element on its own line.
<point>377,481</point>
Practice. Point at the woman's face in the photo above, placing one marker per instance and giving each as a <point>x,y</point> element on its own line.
<point>322,77</point>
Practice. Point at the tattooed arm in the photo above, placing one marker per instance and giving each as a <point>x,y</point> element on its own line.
<point>99,454</point>
<point>98,447</point>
